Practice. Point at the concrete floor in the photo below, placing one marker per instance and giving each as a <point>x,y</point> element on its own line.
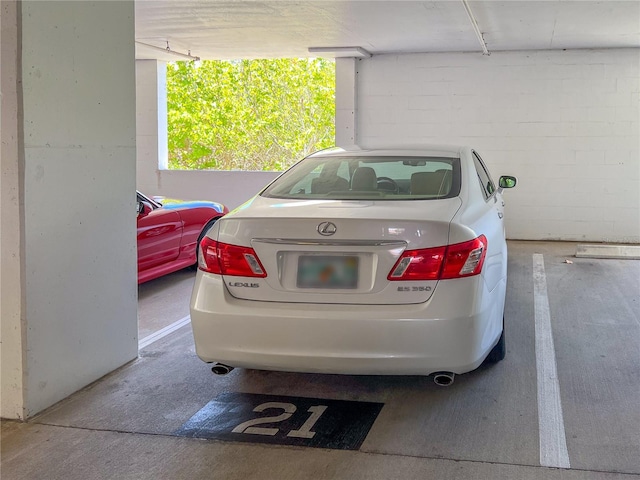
<point>490,424</point>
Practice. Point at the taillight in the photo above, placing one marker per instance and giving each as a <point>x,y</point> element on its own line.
<point>226,259</point>
<point>452,261</point>
<point>465,259</point>
<point>422,264</point>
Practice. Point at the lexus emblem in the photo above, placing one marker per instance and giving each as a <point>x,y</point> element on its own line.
<point>327,228</point>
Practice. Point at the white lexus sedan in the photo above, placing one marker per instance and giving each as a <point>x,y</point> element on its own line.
<point>380,262</point>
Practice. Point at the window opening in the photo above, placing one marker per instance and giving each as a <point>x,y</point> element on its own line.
<point>249,114</point>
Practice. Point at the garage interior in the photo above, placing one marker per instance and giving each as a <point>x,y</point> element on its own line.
<point>546,91</point>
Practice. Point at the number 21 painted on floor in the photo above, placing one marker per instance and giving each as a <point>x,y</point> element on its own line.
<point>283,420</point>
<point>288,409</point>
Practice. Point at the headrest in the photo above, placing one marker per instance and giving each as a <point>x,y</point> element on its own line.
<point>431,183</point>
<point>364,178</point>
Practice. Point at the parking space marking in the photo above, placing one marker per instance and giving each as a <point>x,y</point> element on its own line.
<point>553,442</point>
<point>283,420</point>
<point>154,337</point>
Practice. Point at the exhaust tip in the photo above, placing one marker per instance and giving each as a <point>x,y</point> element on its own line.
<point>443,379</point>
<point>221,369</point>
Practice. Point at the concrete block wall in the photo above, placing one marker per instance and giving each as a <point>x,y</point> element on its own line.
<point>566,123</point>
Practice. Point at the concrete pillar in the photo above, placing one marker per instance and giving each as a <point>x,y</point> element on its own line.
<point>151,124</point>
<point>346,101</point>
<point>12,326</point>
<point>69,296</point>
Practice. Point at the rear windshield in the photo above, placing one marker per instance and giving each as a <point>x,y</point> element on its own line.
<point>367,178</point>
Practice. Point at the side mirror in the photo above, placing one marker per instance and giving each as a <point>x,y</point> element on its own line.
<point>507,181</point>
<point>144,208</point>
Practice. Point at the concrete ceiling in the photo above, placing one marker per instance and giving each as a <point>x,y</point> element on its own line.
<point>234,29</point>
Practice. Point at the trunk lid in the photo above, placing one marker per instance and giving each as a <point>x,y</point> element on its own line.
<point>335,251</point>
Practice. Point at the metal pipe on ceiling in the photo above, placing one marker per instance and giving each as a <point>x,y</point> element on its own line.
<point>168,51</point>
<point>476,29</point>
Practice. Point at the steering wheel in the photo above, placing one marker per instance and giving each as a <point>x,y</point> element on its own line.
<point>388,184</point>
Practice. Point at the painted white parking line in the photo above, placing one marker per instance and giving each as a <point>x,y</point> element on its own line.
<point>154,337</point>
<point>553,442</point>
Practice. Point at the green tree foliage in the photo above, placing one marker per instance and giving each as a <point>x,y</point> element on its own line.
<point>249,114</point>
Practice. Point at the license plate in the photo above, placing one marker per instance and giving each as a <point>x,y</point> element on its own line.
<point>327,271</point>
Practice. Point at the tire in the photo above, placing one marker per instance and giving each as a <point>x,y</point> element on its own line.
<point>498,352</point>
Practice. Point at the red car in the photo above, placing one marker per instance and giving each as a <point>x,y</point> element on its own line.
<point>168,235</point>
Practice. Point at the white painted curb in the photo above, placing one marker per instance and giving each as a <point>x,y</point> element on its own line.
<point>629,252</point>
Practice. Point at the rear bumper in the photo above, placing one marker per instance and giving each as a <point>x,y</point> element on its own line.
<point>454,331</point>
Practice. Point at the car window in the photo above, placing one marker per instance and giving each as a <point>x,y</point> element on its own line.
<point>369,177</point>
<point>144,198</point>
<point>486,184</point>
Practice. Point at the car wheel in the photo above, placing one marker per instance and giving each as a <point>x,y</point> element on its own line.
<point>499,351</point>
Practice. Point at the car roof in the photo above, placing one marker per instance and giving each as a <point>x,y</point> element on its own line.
<point>451,151</point>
